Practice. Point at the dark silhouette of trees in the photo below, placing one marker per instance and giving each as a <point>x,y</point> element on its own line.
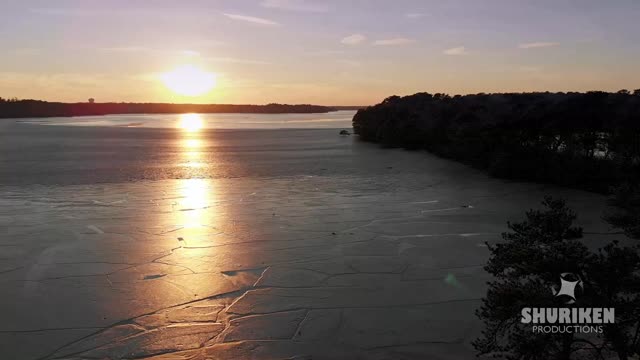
<point>587,140</point>
<point>626,199</point>
<point>14,108</point>
<point>528,263</point>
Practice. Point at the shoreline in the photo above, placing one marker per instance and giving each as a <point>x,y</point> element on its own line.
<point>42,109</point>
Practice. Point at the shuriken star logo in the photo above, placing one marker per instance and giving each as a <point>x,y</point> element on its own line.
<point>568,284</point>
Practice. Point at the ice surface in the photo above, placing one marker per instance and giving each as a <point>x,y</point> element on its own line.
<point>358,261</point>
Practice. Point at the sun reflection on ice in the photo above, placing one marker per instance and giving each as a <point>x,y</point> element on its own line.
<point>191,122</point>
<point>196,199</point>
<point>191,145</point>
<point>195,192</point>
<point>191,153</point>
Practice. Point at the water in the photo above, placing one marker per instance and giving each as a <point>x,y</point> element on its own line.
<point>332,120</point>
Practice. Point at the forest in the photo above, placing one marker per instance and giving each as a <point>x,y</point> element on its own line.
<point>14,108</point>
<point>584,140</point>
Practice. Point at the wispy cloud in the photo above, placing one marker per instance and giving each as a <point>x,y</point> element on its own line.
<point>393,41</point>
<point>415,15</point>
<point>251,19</point>
<point>353,39</point>
<point>540,44</point>
<point>460,50</point>
<point>295,5</point>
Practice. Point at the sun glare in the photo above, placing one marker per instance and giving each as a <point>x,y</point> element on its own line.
<point>189,80</point>
<point>191,122</point>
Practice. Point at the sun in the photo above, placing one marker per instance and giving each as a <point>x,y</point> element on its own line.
<point>189,80</point>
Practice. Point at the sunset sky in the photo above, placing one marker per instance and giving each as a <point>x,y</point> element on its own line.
<point>324,52</point>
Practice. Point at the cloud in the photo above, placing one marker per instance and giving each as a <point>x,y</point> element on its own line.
<point>460,50</point>
<point>534,45</point>
<point>251,19</point>
<point>415,15</point>
<point>392,42</point>
<point>353,39</point>
<point>295,5</point>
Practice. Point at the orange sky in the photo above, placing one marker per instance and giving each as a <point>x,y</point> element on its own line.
<point>322,52</point>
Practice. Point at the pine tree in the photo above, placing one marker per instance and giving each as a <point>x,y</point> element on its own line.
<point>527,264</point>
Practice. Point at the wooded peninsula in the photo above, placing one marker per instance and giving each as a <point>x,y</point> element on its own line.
<point>584,140</point>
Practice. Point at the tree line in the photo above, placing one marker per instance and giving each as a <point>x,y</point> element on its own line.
<point>586,140</point>
<point>15,108</point>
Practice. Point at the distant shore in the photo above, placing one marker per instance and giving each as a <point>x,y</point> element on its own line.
<point>13,108</point>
